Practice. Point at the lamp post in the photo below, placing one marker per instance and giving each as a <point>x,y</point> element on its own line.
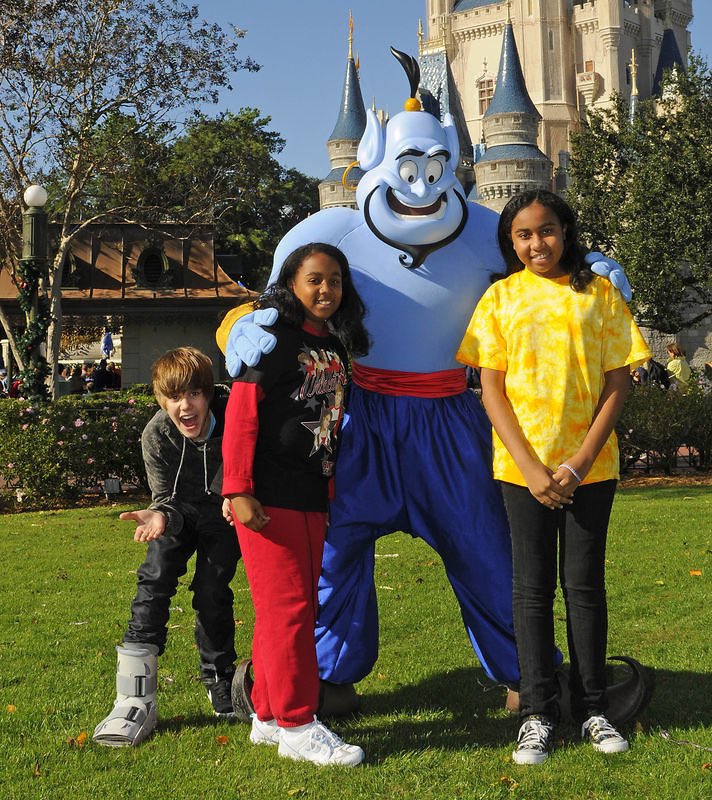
<point>33,267</point>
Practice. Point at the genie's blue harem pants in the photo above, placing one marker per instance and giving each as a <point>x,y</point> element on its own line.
<point>422,466</point>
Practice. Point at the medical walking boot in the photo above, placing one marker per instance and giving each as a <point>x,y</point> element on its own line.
<point>135,711</point>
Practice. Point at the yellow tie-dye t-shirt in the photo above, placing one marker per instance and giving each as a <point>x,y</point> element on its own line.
<point>555,346</point>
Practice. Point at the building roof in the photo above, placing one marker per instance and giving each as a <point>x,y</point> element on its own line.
<point>466,5</point>
<point>512,152</point>
<point>355,175</point>
<point>510,91</point>
<point>107,263</point>
<point>352,115</point>
<point>669,57</point>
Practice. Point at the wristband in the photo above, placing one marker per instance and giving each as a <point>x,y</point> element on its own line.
<point>572,471</point>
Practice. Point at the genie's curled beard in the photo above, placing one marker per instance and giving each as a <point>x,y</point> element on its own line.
<point>417,252</point>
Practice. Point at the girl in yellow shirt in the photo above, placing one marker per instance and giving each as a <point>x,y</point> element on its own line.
<point>555,345</point>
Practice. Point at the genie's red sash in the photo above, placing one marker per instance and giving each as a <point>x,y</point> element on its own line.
<point>414,384</point>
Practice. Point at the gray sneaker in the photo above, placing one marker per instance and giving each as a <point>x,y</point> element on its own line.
<point>602,735</point>
<point>316,743</point>
<point>536,738</point>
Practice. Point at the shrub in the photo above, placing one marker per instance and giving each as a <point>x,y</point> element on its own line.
<point>53,452</point>
<point>656,422</point>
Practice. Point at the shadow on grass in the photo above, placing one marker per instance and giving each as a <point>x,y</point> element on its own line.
<point>411,716</point>
<point>476,716</point>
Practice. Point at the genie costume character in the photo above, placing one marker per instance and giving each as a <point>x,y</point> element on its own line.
<point>416,450</point>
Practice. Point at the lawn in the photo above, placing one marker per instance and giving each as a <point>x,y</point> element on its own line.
<point>431,725</point>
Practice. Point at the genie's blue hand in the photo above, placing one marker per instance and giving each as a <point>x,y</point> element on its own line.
<point>247,342</point>
<point>608,268</point>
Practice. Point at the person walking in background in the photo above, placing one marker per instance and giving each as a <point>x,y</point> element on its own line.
<point>678,369</point>
<point>555,345</point>
<point>281,438</point>
<point>107,344</point>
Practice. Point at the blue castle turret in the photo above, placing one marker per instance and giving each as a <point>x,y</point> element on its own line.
<point>512,162</point>
<point>343,142</point>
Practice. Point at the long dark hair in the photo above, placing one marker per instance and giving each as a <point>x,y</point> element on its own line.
<point>346,322</point>
<point>572,259</point>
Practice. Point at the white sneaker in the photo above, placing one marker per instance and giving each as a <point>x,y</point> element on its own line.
<point>264,732</point>
<point>602,735</point>
<point>536,738</point>
<point>315,742</point>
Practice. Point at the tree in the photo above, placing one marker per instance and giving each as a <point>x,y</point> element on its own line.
<point>232,159</point>
<point>80,82</point>
<point>643,189</point>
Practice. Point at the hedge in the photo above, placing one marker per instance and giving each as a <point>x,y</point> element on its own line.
<point>52,454</point>
<point>656,422</point>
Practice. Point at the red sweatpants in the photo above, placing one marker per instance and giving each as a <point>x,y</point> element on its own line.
<point>283,562</point>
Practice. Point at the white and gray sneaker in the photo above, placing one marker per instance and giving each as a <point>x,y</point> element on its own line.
<point>536,738</point>
<point>264,732</point>
<point>316,743</point>
<point>602,735</point>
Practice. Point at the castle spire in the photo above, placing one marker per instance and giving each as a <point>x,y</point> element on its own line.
<point>351,35</point>
<point>634,85</point>
<point>351,122</point>
<point>342,145</point>
<point>510,91</point>
<point>509,128</point>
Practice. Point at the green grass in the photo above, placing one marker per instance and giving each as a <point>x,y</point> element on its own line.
<point>429,728</point>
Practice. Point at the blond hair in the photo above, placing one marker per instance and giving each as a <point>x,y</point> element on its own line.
<point>181,370</point>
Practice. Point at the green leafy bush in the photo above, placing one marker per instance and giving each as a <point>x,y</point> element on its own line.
<point>52,452</point>
<point>656,422</point>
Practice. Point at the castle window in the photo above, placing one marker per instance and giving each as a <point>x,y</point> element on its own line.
<point>485,90</point>
<point>551,40</point>
<point>519,165</point>
<point>588,67</point>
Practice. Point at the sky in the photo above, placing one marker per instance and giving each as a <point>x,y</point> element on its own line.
<point>302,46</point>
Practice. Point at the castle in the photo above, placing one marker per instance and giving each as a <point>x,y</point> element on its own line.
<point>517,77</point>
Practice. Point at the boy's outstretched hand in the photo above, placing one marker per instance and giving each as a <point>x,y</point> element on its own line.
<point>151,524</point>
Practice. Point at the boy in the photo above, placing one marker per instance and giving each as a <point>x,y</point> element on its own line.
<point>181,448</point>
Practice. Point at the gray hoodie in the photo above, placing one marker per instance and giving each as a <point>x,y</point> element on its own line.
<point>181,470</point>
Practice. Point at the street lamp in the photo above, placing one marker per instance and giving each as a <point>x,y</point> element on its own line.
<point>33,267</point>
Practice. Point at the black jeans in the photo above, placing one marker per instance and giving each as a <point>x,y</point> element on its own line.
<point>579,531</point>
<point>217,554</point>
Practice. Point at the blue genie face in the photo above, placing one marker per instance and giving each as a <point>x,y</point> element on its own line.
<point>410,196</point>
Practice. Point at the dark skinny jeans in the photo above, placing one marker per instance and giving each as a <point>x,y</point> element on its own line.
<point>217,552</point>
<point>578,532</point>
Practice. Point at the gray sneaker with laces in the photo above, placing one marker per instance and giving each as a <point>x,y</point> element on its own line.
<point>536,738</point>
<point>316,743</point>
<point>602,735</point>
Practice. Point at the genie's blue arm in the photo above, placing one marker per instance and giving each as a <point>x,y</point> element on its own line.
<point>608,268</point>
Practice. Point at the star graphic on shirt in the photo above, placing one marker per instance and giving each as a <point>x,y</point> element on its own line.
<point>321,429</point>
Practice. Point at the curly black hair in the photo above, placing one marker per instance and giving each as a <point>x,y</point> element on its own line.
<point>572,259</point>
<point>347,321</point>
